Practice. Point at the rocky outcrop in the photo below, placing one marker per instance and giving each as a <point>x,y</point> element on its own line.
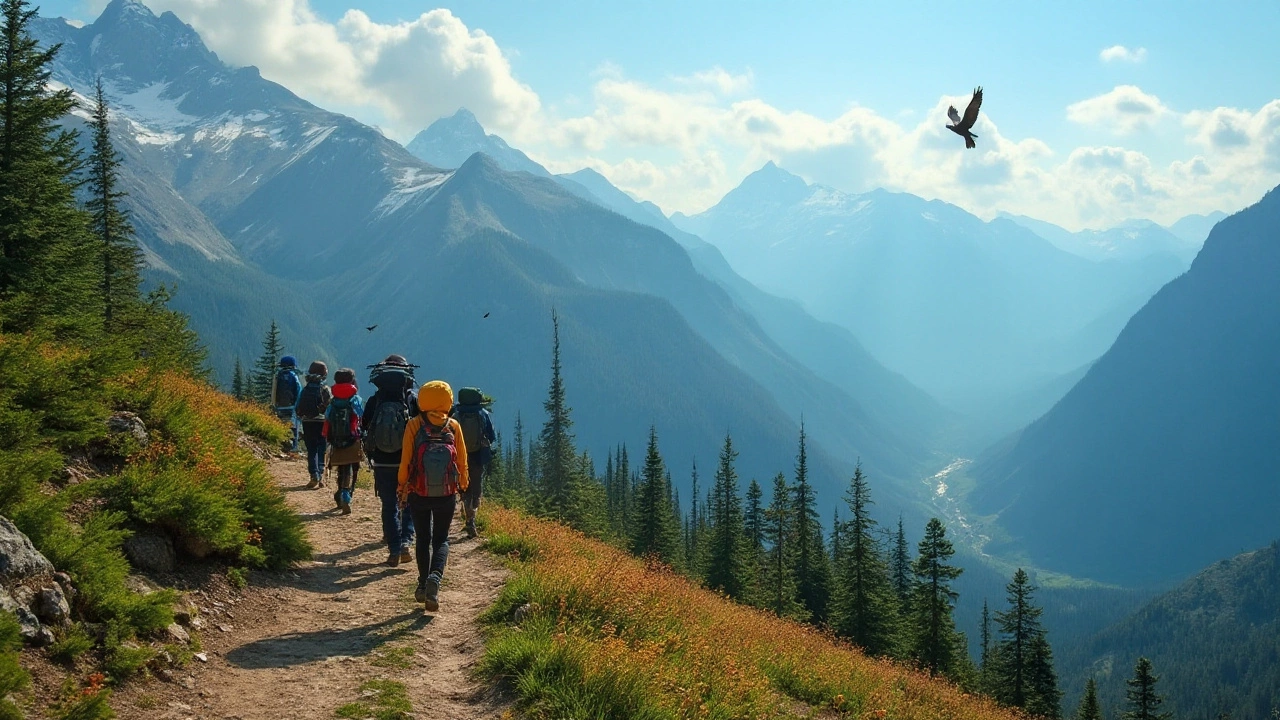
<point>19,559</point>
<point>127,423</point>
<point>150,551</point>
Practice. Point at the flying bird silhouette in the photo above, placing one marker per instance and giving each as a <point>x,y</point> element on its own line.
<point>962,125</point>
<point>371,328</point>
<point>486,314</point>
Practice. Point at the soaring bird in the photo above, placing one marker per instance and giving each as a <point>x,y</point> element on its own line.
<point>962,125</point>
<point>371,328</point>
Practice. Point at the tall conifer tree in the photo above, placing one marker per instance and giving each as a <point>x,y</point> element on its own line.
<point>937,646</point>
<point>47,265</point>
<point>238,380</point>
<point>1142,699</point>
<point>728,555</point>
<point>866,608</point>
<point>1023,675</point>
<point>654,529</point>
<point>900,566</point>
<point>121,259</point>
<point>779,583</point>
<point>558,464</point>
<point>264,370</point>
<point>1089,708</point>
<point>813,570</point>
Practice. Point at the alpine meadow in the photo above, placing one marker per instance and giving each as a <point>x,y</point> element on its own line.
<point>569,361</point>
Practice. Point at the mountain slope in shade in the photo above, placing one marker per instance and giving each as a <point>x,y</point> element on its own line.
<point>1162,458</point>
<point>448,142</point>
<point>975,313</point>
<point>1213,641</point>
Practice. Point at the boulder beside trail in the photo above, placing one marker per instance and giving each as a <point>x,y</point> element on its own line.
<point>19,559</point>
<point>150,551</point>
<point>121,423</point>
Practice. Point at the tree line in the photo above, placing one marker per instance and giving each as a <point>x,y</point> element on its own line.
<point>859,582</point>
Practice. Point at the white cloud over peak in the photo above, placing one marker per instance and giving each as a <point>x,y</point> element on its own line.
<point>411,72</point>
<point>1123,54</point>
<point>1125,109</point>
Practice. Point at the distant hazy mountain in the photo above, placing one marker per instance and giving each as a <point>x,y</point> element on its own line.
<point>1212,640</point>
<point>981,315</point>
<point>448,142</point>
<point>1131,240</point>
<point>1195,228</point>
<point>262,205</point>
<point>1163,457</point>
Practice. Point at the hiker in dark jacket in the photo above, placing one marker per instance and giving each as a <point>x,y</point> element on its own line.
<point>312,403</point>
<point>472,415</point>
<point>285,389</point>
<point>385,417</point>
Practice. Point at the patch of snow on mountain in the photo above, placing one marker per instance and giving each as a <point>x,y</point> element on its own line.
<point>410,183</point>
<point>147,108</point>
<point>316,134</point>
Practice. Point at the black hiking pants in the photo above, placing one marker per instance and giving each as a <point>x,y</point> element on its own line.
<point>432,518</point>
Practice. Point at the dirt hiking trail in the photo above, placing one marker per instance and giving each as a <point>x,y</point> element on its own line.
<point>300,644</point>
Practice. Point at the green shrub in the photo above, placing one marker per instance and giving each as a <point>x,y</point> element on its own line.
<point>238,577</point>
<point>261,427</point>
<point>71,644</point>
<point>13,678</point>
<point>125,661</point>
<point>91,706</point>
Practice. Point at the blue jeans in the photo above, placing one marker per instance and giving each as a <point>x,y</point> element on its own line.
<point>288,414</point>
<point>313,437</point>
<point>397,526</point>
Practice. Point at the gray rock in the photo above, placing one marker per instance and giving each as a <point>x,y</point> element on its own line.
<point>196,547</point>
<point>7,603</point>
<point>31,630</point>
<point>178,634</point>
<point>150,551</point>
<point>519,614</point>
<point>19,559</point>
<point>68,587</point>
<point>51,606</point>
<point>127,423</point>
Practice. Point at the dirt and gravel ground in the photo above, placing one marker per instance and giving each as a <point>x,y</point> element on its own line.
<point>300,644</point>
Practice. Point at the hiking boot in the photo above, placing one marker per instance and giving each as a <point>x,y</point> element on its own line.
<point>406,556</point>
<point>420,594</point>
<point>471,530</point>
<point>431,592</point>
<point>345,506</point>
<point>394,559</point>
<point>315,483</point>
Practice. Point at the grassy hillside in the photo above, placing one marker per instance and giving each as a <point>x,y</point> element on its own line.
<point>80,490</point>
<point>585,630</point>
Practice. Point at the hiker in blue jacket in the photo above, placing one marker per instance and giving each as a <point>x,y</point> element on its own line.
<point>472,414</point>
<point>385,417</point>
<point>285,390</point>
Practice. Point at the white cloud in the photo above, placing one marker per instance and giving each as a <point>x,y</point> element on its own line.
<point>410,72</point>
<point>1125,109</point>
<point>685,144</point>
<point>1123,54</point>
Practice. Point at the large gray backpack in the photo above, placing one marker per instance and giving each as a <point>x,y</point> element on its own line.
<point>389,419</point>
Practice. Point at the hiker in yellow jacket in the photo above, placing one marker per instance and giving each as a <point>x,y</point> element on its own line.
<point>433,471</point>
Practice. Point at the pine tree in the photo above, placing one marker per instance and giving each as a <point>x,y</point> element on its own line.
<point>1144,703</point>
<point>728,553</point>
<point>121,259</point>
<point>692,550</point>
<point>654,530</point>
<point>985,668</point>
<point>813,571</point>
<point>837,540</point>
<point>517,470</point>
<point>264,370</point>
<point>779,582</point>
<point>238,381</point>
<point>47,264</point>
<point>626,496</point>
<point>866,609</point>
<point>900,566</point>
<point>558,468</point>
<point>937,646</point>
<point>1023,676</point>
<point>1089,708</point>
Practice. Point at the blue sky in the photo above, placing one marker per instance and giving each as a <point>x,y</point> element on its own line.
<point>668,99</point>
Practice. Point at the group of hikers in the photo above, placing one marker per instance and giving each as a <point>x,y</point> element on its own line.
<point>424,449</point>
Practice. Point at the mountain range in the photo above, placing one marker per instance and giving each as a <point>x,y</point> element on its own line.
<point>1162,458</point>
<point>988,317</point>
<point>260,205</point>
